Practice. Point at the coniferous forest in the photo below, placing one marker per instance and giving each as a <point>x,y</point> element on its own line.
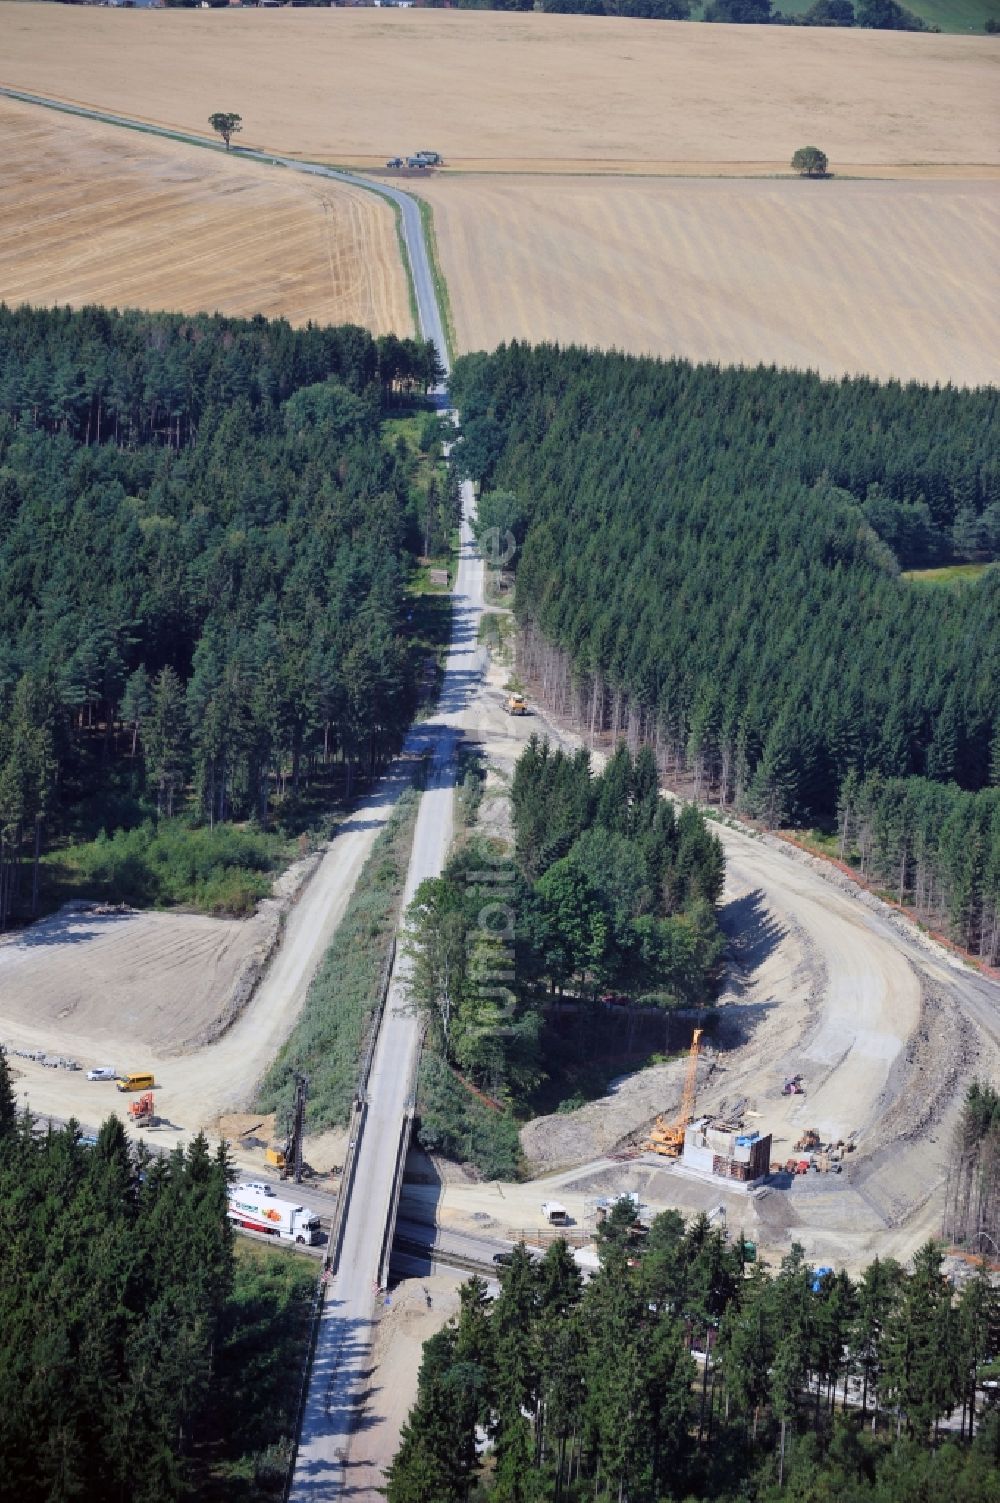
<point>815,1387</point>
<point>142,1359</point>
<point>204,535</point>
<point>713,561</point>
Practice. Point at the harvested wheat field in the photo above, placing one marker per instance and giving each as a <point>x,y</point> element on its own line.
<point>889,278</point>
<point>504,90</point>
<point>96,214</point>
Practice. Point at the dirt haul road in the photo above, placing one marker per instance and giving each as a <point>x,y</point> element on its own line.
<point>193,1089</point>
<point>884,1025</point>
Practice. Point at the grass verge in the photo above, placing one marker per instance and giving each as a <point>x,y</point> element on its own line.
<point>948,574</point>
<point>327,1040</point>
<point>440,285</point>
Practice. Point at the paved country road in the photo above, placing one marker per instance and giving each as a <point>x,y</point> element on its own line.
<point>874,996</point>
<point>431,324</point>
<point>343,1351</point>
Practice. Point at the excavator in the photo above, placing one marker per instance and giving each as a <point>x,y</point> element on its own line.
<point>666,1137</point>
<point>143,1111</point>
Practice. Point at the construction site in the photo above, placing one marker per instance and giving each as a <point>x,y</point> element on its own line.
<point>708,1146</point>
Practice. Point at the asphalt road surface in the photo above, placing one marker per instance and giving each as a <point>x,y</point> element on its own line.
<point>431,324</point>
<point>343,1350</point>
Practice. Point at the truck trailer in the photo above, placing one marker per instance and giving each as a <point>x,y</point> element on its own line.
<point>256,1208</point>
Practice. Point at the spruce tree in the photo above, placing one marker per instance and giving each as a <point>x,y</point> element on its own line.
<point>8,1102</point>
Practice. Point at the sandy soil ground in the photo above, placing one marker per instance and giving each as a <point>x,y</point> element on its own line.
<point>404,1324</point>
<point>109,986</point>
<point>96,214</point>
<point>135,1012</point>
<point>824,981</point>
<point>359,87</point>
<point>799,274</point>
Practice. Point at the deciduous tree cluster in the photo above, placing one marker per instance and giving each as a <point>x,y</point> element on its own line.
<point>608,887</point>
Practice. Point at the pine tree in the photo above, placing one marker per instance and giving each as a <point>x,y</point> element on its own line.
<point>877,1297</point>
<point>165,737</point>
<point>921,1376</point>
<point>436,1458</point>
<point>8,1102</point>
<point>774,789</point>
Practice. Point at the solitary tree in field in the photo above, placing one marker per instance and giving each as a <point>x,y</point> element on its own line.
<point>227,125</point>
<point>810,161</point>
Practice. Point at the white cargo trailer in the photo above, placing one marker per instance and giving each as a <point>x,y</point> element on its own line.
<point>256,1208</point>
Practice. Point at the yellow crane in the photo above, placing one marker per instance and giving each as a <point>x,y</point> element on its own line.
<point>668,1137</point>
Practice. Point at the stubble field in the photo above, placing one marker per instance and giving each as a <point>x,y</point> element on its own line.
<point>509,92</point>
<point>891,279</point>
<point>97,214</point>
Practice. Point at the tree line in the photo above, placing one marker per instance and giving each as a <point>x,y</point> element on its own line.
<point>607,888</point>
<point>140,1357</point>
<point>932,846</point>
<point>204,537</point>
<point>760,636</point>
<point>807,1384</point>
<point>877,15</point>
<point>972,1213</point>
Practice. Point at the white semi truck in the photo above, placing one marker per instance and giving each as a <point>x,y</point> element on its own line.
<point>255,1207</point>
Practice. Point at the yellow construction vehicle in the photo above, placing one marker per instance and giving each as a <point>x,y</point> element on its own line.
<point>516,704</point>
<point>668,1137</point>
<point>287,1157</point>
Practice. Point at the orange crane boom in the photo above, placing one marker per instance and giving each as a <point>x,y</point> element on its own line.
<point>668,1137</point>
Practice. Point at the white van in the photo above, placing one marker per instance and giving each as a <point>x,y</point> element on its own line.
<point>102,1072</point>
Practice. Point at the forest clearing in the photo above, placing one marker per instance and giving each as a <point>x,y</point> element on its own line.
<point>797,274</point>
<point>818,981</point>
<point>97,214</point>
<point>144,990</point>
<point>538,92</point>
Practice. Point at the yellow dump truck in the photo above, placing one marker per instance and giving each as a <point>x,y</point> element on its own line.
<point>516,704</point>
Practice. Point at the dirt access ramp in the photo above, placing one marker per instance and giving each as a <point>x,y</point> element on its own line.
<point>886,1027</point>
<point>97,214</point>
<point>140,1014</point>
<point>576,93</point>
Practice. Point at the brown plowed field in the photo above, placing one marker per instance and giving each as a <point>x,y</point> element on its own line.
<point>509,90</point>
<point>97,214</point>
<point>888,278</point>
